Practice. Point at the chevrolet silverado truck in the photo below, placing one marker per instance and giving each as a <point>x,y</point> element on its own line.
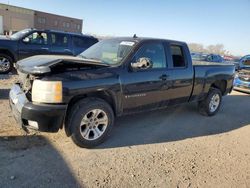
<point>30,42</point>
<point>112,78</point>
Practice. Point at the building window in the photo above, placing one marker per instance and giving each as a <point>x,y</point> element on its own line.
<point>66,24</point>
<point>41,20</point>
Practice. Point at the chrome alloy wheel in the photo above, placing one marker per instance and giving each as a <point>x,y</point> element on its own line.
<point>4,64</point>
<point>214,103</point>
<point>93,124</point>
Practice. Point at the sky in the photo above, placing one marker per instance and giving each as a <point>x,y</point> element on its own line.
<point>207,22</point>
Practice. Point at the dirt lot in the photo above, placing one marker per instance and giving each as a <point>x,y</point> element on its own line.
<point>176,147</point>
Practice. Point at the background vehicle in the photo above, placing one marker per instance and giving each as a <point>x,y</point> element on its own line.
<point>196,56</point>
<point>214,58</point>
<point>31,42</point>
<point>112,78</point>
<point>242,78</point>
<point>243,61</point>
<point>207,57</point>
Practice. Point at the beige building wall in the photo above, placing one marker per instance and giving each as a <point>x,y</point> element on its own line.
<point>16,18</point>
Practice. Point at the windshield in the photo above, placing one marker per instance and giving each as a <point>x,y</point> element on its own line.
<point>110,51</point>
<point>20,34</point>
<point>245,61</point>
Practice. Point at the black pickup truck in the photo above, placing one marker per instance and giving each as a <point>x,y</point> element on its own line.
<point>114,77</point>
<point>30,42</point>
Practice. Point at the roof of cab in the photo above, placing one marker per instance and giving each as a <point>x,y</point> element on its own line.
<point>63,32</point>
<point>142,39</point>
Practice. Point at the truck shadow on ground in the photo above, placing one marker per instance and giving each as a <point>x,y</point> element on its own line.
<point>178,123</point>
<point>32,161</point>
<point>4,94</point>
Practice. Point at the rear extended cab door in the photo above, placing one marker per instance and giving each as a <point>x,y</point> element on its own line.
<point>61,44</point>
<point>181,72</point>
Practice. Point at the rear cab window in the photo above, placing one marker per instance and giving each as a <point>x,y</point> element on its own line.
<point>60,39</point>
<point>177,54</point>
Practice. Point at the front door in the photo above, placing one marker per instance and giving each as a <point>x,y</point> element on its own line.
<point>34,44</point>
<point>147,88</point>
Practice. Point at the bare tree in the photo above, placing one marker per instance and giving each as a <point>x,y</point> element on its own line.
<point>195,47</point>
<point>215,49</point>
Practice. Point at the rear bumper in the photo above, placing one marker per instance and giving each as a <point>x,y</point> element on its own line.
<point>41,117</point>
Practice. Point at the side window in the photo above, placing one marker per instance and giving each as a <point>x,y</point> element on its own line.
<point>60,40</point>
<point>155,52</point>
<point>39,38</point>
<point>177,56</point>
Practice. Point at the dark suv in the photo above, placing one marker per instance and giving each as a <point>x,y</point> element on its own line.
<point>31,42</point>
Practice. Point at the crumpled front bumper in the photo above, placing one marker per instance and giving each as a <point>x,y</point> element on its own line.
<point>41,117</point>
<point>241,85</point>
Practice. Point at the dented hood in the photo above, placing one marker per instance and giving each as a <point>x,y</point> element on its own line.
<point>41,64</point>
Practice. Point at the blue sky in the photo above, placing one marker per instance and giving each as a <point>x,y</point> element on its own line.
<point>200,21</point>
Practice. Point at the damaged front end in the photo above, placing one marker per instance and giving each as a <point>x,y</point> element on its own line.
<point>36,102</point>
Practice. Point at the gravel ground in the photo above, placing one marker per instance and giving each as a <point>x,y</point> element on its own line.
<point>175,147</point>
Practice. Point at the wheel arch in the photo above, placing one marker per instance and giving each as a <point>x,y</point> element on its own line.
<point>221,85</point>
<point>104,95</point>
<point>9,53</point>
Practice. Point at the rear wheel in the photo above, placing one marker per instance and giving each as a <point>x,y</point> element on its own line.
<point>90,121</point>
<point>211,104</point>
<point>6,64</point>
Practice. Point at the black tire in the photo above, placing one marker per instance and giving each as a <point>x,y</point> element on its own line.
<point>10,67</point>
<point>81,110</point>
<point>203,105</point>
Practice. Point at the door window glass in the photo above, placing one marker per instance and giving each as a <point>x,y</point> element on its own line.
<point>37,38</point>
<point>155,52</point>
<point>60,40</point>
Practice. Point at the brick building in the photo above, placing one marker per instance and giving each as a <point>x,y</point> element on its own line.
<point>14,19</point>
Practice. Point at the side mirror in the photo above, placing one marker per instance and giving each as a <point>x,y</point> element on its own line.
<point>26,40</point>
<point>143,63</point>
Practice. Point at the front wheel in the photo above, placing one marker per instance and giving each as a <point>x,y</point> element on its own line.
<point>6,64</point>
<point>90,121</point>
<point>211,104</point>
